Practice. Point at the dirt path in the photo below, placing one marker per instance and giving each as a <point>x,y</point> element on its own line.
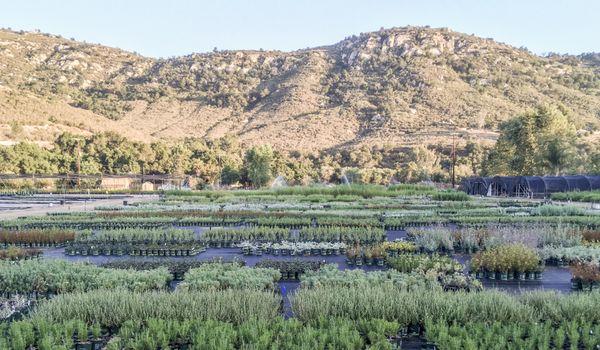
<point>86,205</point>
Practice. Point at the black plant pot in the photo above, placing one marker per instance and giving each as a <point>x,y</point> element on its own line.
<point>83,346</point>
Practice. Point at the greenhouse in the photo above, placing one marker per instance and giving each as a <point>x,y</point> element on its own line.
<point>529,186</point>
<point>555,184</point>
<point>477,186</point>
<point>594,182</point>
<point>504,185</point>
<point>578,183</point>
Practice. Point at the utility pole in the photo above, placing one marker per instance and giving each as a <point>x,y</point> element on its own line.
<point>78,164</point>
<point>453,158</point>
<point>142,178</point>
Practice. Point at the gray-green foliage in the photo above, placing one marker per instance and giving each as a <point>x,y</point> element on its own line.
<point>57,276</point>
<point>113,307</point>
<point>221,276</point>
<point>392,303</point>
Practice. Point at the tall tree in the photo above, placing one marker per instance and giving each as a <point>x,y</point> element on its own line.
<point>258,161</point>
<point>536,143</point>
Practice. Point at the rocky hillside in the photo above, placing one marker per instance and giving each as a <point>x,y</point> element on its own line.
<point>398,86</point>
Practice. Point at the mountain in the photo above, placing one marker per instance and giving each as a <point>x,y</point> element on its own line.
<point>399,86</point>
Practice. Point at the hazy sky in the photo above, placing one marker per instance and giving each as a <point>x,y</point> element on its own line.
<point>168,28</point>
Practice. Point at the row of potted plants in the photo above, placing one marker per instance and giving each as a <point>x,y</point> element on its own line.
<point>367,255</point>
<point>401,223</point>
<point>209,221</point>
<point>331,276</point>
<point>218,238</point>
<point>290,269</point>
<point>449,272</point>
<point>111,307</point>
<point>507,262</point>
<point>350,235</point>
<point>177,267</point>
<point>590,221</point>
<point>586,276</point>
<point>414,307</point>
<point>86,223</point>
<point>374,296</point>
<point>591,236</point>
<point>136,235</point>
<point>423,263</point>
<point>14,253</point>
<point>35,238</point>
<point>292,222</point>
<point>377,253</point>
<point>154,333</point>
<point>134,249</point>
<point>346,221</point>
<point>221,276</point>
<point>72,334</point>
<point>564,256</point>
<point>43,278</point>
<point>470,240</point>
<point>293,248</point>
<point>393,248</point>
<point>543,335</point>
<point>228,237</point>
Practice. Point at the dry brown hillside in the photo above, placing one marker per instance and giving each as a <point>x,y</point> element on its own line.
<point>399,86</point>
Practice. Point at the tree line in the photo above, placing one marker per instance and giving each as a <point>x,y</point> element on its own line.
<point>543,141</point>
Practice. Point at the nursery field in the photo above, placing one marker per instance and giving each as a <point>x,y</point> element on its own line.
<point>346,267</point>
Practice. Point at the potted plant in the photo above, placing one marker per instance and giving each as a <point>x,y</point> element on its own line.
<point>586,275</point>
<point>368,254</point>
<point>96,337</point>
<point>94,250</point>
<point>351,255</point>
<point>377,252</point>
<point>476,268</point>
<point>83,342</point>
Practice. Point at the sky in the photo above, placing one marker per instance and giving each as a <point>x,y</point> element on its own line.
<point>177,27</point>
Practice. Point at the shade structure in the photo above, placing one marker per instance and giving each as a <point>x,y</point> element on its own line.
<point>476,186</point>
<point>578,183</point>
<point>555,184</point>
<point>504,185</point>
<point>529,186</point>
<point>594,181</point>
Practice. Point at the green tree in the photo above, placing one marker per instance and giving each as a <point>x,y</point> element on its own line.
<point>538,142</point>
<point>257,162</point>
<point>230,175</point>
